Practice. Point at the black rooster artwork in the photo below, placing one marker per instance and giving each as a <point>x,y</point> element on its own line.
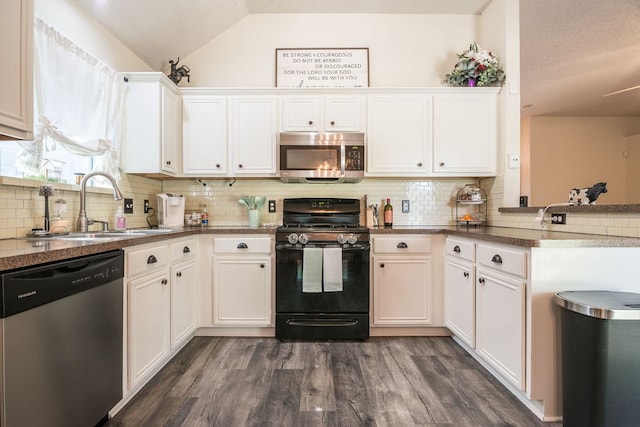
<point>177,73</point>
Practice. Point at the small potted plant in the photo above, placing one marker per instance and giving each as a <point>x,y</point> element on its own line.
<point>476,67</point>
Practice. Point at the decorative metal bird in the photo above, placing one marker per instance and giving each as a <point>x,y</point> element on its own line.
<point>177,73</point>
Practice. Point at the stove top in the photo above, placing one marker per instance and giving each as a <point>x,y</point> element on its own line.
<point>326,220</point>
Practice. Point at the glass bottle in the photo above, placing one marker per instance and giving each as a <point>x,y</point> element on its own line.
<point>388,213</point>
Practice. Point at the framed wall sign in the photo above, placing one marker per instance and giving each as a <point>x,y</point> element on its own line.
<point>318,67</point>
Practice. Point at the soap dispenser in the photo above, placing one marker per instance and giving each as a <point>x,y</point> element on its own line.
<point>119,220</point>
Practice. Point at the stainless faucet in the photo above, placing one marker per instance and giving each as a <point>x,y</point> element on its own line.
<point>84,222</point>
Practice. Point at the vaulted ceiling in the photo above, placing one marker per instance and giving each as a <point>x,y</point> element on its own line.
<point>572,51</point>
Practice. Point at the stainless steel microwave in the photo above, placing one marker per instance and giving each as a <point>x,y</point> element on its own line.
<point>321,157</point>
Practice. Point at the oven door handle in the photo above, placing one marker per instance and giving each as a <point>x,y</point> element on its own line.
<point>349,249</point>
<point>323,322</point>
<point>343,161</point>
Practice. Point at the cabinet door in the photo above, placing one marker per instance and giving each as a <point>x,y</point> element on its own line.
<point>169,143</point>
<point>459,301</point>
<point>343,114</point>
<point>398,135</point>
<point>402,291</point>
<point>500,324</point>
<point>464,134</point>
<point>183,302</point>
<point>242,291</point>
<point>302,114</point>
<point>204,135</point>
<point>148,324</point>
<point>254,135</point>
<point>16,85</point>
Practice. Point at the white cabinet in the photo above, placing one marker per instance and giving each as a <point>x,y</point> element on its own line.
<point>204,135</point>
<point>399,136</point>
<point>465,134</point>
<point>16,85</point>
<point>147,272</point>
<point>152,122</point>
<point>459,289</point>
<point>254,135</point>
<point>183,291</point>
<point>242,281</point>
<point>490,315</point>
<point>161,304</point>
<point>402,281</point>
<point>330,113</point>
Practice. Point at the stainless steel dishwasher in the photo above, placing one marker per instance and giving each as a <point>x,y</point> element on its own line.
<point>61,341</point>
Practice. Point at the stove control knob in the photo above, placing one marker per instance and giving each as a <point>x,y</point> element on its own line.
<point>342,239</point>
<point>292,238</point>
<point>304,239</point>
<point>352,238</point>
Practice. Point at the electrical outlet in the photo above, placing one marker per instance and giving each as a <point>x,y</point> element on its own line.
<point>514,161</point>
<point>146,206</point>
<point>272,206</point>
<point>128,205</point>
<point>558,218</point>
<point>406,206</point>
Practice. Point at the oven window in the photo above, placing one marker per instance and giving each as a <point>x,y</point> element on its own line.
<point>311,158</point>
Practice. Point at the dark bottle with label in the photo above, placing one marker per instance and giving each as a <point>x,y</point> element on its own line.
<point>388,214</point>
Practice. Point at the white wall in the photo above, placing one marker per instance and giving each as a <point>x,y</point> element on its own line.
<point>72,21</point>
<point>404,50</point>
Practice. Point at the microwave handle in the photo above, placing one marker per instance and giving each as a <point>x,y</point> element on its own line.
<point>343,161</point>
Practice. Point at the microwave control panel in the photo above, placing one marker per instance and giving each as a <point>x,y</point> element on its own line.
<point>354,157</point>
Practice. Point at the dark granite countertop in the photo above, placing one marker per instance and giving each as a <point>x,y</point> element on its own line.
<point>18,253</point>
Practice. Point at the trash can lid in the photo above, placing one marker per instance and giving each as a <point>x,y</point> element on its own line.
<point>601,304</point>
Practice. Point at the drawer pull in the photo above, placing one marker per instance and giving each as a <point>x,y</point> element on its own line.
<point>481,280</point>
<point>466,274</point>
<point>186,250</point>
<point>402,245</point>
<point>242,245</point>
<point>261,265</point>
<point>382,265</point>
<point>497,259</point>
<point>456,249</point>
<point>152,259</point>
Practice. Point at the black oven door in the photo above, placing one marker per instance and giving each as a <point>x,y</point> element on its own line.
<point>322,315</point>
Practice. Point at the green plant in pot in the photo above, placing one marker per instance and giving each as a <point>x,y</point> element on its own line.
<point>254,204</point>
<point>476,67</point>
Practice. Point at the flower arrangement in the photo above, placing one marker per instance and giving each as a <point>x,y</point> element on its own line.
<point>253,202</point>
<point>476,67</point>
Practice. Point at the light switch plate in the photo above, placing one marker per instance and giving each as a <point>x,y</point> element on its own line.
<point>128,206</point>
<point>406,206</point>
<point>514,161</point>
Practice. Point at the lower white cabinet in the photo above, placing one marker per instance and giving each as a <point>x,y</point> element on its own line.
<point>161,304</point>
<point>242,281</point>
<point>485,290</point>
<point>500,323</point>
<point>402,281</point>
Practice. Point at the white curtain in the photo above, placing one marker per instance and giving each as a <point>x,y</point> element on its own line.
<point>79,103</point>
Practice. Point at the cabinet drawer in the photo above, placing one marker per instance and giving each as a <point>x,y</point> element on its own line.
<point>147,260</point>
<point>242,245</point>
<point>183,249</point>
<point>503,259</point>
<point>401,245</point>
<point>461,249</point>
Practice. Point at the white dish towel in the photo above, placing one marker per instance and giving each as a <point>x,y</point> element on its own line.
<point>312,270</point>
<point>332,269</point>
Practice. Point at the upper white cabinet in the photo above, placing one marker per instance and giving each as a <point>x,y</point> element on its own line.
<point>16,85</point>
<point>152,123</point>
<point>398,135</point>
<point>204,135</point>
<point>330,113</point>
<point>465,134</point>
<point>254,135</point>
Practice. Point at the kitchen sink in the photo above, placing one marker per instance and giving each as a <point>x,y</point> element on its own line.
<point>103,236</point>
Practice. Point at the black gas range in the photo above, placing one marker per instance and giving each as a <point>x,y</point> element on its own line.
<point>322,271</point>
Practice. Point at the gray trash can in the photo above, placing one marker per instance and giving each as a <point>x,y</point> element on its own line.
<point>600,358</point>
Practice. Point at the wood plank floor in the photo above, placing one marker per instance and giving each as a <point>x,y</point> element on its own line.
<point>399,381</point>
